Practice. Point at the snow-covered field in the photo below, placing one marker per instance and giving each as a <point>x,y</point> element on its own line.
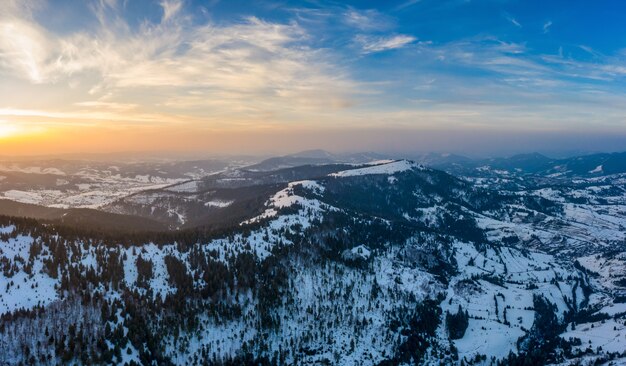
<point>85,184</point>
<point>95,194</point>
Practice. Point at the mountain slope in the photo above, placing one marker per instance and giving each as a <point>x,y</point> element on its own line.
<point>388,263</point>
<point>81,217</point>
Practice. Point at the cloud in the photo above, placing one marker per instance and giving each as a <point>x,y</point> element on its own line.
<point>99,104</point>
<point>170,8</point>
<point>511,19</point>
<point>371,44</point>
<point>247,70</point>
<point>23,50</point>
<point>23,45</point>
<point>589,50</point>
<point>546,26</point>
<point>406,4</point>
<point>367,20</point>
<point>562,91</point>
<point>24,8</point>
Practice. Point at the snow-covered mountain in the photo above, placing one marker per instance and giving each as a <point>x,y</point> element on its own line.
<point>585,166</point>
<point>384,263</point>
<point>314,157</point>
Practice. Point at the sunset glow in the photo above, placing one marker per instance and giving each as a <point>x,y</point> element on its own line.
<point>7,130</point>
<point>108,71</point>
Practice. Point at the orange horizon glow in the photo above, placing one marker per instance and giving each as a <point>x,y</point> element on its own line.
<point>168,140</point>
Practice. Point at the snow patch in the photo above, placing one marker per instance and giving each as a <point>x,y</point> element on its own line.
<point>358,252</point>
<point>387,168</point>
<point>218,203</point>
<point>597,169</point>
<point>310,185</point>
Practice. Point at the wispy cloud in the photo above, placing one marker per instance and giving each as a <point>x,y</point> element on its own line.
<point>170,8</point>
<point>511,19</point>
<point>367,20</point>
<point>371,44</point>
<point>589,50</point>
<point>546,26</point>
<point>406,4</point>
<point>250,69</point>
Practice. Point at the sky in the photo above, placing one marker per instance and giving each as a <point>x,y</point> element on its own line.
<point>464,76</point>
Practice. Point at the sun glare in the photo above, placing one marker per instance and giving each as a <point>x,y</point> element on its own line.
<point>7,130</point>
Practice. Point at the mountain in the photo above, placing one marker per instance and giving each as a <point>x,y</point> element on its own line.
<point>590,165</point>
<point>527,163</point>
<point>593,165</point>
<point>314,157</point>
<point>314,154</point>
<point>388,263</point>
<point>81,217</point>
<point>217,200</point>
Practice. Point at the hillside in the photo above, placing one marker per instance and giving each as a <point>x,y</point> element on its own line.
<point>386,263</point>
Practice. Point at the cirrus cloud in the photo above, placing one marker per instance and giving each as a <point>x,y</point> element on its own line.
<point>371,44</point>
<point>247,69</point>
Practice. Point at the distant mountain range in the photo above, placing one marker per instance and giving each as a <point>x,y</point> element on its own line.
<point>314,157</point>
<point>177,195</point>
<point>534,163</point>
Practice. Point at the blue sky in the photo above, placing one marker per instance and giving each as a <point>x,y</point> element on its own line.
<point>216,70</point>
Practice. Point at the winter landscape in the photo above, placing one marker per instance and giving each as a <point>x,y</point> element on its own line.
<point>381,262</point>
<point>312,182</point>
